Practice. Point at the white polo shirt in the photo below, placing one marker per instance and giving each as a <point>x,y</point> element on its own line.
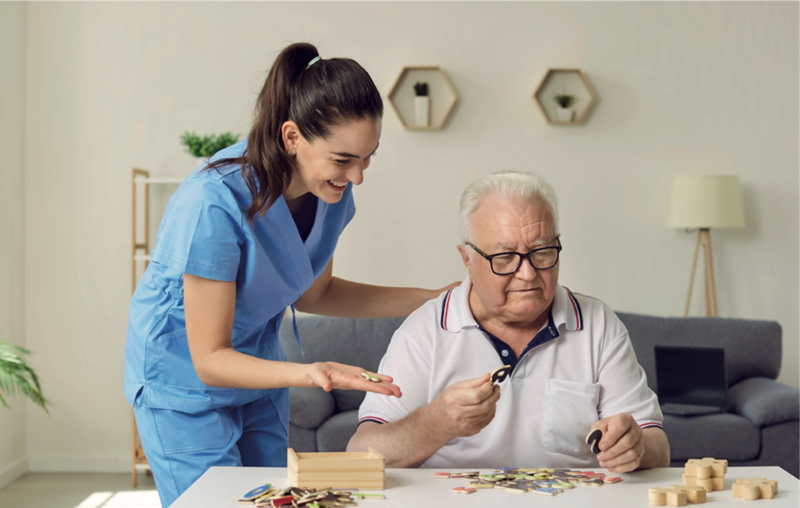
<point>579,368</point>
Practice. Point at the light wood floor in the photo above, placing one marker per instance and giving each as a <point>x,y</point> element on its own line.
<point>79,490</point>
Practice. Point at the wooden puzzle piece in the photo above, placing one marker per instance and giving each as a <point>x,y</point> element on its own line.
<point>374,379</point>
<point>464,490</point>
<point>441,475</point>
<point>755,488</point>
<point>672,497</point>
<point>256,492</point>
<point>613,479</point>
<point>695,494</point>
<point>546,491</point>
<point>500,374</point>
<point>707,467</point>
<point>593,440</point>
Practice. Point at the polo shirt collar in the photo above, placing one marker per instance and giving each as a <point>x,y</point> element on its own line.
<point>455,313</point>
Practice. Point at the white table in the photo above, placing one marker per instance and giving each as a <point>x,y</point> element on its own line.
<point>221,487</point>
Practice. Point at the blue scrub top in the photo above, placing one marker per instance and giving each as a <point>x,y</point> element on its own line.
<point>205,233</point>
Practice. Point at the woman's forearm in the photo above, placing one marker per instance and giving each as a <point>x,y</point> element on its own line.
<point>344,298</point>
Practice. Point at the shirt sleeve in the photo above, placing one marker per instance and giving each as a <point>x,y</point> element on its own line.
<point>623,383</point>
<point>201,233</point>
<point>407,360</point>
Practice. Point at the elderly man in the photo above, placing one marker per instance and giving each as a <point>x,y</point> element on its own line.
<point>574,369</point>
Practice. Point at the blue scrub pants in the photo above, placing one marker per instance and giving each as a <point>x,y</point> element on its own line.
<point>180,447</point>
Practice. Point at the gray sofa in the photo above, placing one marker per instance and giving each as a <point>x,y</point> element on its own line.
<point>761,427</point>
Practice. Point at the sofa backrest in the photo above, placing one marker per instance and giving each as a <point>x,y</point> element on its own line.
<point>752,348</point>
<point>359,342</point>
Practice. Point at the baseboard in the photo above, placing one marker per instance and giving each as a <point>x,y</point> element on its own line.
<point>44,464</point>
<point>12,473</point>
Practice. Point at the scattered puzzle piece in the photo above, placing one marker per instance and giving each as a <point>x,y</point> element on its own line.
<point>464,490</point>
<point>613,479</point>
<point>755,488</point>
<point>374,379</point>
<point>500,374</point>
<point>441,475</point>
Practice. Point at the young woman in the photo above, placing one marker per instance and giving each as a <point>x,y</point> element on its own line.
<point>242,239</point>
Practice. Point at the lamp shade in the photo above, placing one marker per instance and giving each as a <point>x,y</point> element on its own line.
<point>705,202</point>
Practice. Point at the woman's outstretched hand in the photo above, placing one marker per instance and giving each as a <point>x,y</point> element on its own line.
<point>330,375</point>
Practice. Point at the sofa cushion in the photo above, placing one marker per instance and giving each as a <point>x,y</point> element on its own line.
<point>359,342</point>
<point>302,440</point>
<point>764,401</point>
<point>309,407</point>
<point>335,433</point>
<point>752,348</point>
<point>722,436</point>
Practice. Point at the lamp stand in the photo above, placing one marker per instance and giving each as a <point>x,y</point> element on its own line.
<point>704,240</point>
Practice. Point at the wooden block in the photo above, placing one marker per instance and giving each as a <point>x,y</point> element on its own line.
<point>689,480</point>
<point>755,488</point>
<point>672,497</point>
<point>337,469</point>
<point>694,493</point>
<point>707,467</point>
<point>717,483</point>
<point>706,483</point>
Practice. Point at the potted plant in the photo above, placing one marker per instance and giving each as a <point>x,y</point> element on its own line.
<point>564,102</point>
<point>203,147</point>
<point>422,104</point>
<point>17,377</point>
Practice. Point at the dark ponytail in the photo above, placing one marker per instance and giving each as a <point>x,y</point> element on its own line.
<point>316,98</point>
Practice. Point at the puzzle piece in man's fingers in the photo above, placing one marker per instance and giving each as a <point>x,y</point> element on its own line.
<point>500,374</point>
<point>374,379</point>
<point>593,440</point>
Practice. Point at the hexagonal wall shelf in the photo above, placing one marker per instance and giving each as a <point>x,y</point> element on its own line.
<point>442,93</point>
<point>564,81</point>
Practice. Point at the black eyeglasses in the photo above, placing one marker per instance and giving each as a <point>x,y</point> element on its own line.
<point>506,263</point>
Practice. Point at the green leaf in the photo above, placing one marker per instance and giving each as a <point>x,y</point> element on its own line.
<point>17,378</point>
<point>207,146</point>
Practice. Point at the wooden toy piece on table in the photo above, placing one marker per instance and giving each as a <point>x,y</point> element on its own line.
<point>708,473</point>
<point>695,494</point>
<point>755,488</point>
<point>671,496</point>
<point>359,470</point>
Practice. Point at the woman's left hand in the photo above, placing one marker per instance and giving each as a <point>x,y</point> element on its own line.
<point>330,375</point>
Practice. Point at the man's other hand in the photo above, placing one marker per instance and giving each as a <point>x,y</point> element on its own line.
<point>622,445</point>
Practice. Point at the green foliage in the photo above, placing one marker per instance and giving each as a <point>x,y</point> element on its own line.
<point>16,377</point>
<point>563,99</point>
<point>206,146</point>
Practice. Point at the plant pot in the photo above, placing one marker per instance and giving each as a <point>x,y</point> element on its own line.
<point>565,114</point>
<point>422,108</point>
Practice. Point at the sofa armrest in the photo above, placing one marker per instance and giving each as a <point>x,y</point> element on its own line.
<point>309,407</point>
<point>764,401</point>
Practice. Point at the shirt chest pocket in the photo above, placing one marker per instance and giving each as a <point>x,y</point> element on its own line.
<point>570,409</point>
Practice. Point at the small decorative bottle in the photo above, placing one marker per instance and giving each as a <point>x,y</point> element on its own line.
<point>422,104</point>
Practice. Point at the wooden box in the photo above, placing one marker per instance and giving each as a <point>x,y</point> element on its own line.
<point>338,470</point>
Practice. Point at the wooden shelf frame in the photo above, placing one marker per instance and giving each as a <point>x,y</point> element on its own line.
<point>548,76</point>
<point>395,89</point>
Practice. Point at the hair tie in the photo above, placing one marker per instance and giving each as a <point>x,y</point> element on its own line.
<point>313,61</point>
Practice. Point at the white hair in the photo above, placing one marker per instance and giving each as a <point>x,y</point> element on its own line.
<point>514,186</point>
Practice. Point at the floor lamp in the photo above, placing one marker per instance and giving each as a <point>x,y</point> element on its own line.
<point>701,203</point>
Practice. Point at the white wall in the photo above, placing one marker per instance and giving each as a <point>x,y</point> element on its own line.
<point>684,88</point>
<point>13,461</point>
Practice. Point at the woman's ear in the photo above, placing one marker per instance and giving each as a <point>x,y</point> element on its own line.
<point>291,135</point>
